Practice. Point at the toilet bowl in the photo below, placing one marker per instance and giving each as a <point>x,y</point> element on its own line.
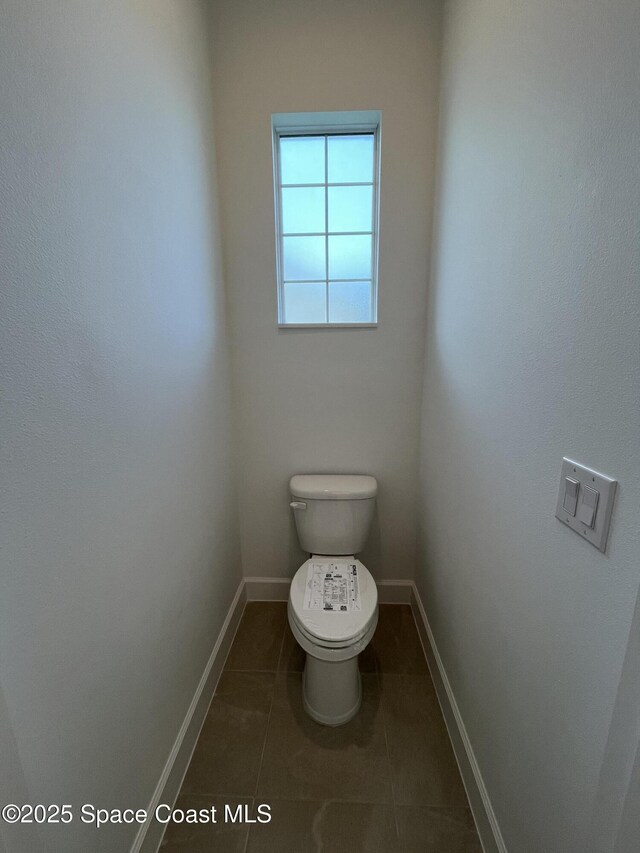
<point>332,640</point>
<point>333,599</point>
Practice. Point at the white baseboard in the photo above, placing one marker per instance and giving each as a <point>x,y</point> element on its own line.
<point>277,589</point>
<point>484,816</point>
<point>267,589</point>
<point>394,592</point>
<point>150,834</point>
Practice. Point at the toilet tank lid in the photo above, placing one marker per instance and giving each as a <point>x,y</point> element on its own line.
<point>333,487</point>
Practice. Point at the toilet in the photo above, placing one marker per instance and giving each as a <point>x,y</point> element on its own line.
<point>333,600</point>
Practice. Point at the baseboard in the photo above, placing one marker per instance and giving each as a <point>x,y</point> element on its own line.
<point>484,816</point>
<point>267,589</point>
<point>150,834</point>
<point>277,589</point>
<point>394,592</point>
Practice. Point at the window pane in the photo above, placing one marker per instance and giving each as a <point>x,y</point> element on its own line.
<point>304,258</point>
<point>305,303</point>
<point>349,257</point>
<point>350,158</point>
<point>350,302</point>
<point>302,160</point>
<point>350,208</point>
<point>303,210</point>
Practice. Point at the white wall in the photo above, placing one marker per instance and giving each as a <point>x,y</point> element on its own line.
<point>327,401</point>
<point>119,545</point>
<point>533,354</point>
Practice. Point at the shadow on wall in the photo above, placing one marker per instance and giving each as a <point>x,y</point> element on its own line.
<point>613,823</point>
<point>369,555</point>
<point>295,555</point>
<point>629,832</point>
<point>13,789</point>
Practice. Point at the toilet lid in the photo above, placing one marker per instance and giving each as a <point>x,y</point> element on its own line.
<point>333,599</point>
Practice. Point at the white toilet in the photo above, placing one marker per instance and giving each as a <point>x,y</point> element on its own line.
<point>333,600</point>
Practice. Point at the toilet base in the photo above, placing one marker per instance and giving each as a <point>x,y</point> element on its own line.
<point>331,690</point>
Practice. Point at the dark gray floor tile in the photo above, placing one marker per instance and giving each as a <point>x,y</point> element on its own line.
<point>396,644</point>
<point>292,656</point>
<point>330,788</point>
<point>423,767</point>
<point>258,639</point>
<point>227,756</point>
<point>367,660</point>
<point>306,761</point>
<point>312,827</point>
<point>219,837</point>
<point>437,830</point>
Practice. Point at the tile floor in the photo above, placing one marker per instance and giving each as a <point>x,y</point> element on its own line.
<point>386,782</point>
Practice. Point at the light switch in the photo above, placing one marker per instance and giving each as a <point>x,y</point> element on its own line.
<point>585,501</point>
<point>570,500</point>
<point>588,506</point>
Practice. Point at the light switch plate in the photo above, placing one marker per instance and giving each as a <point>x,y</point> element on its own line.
<point>606,488</point>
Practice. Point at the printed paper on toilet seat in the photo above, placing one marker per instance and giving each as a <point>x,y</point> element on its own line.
<point>332,587</point>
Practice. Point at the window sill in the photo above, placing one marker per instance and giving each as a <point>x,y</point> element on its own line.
<point>285,326</point>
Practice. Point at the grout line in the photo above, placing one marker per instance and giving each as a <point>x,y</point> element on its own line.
<point>284,634</point>
<point>393,794</point>
<point>252,670</point>
<point>343,800</point>
<point>213,796</point>
<point>379,674</point>
<point>264,746</point>
<point>266,733</point>
<point>233,639</point>
<point>340,800</point>
<point>246,840</point>
<point>277,671</point>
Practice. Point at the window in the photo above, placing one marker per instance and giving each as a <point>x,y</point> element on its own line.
<point>326,174</point>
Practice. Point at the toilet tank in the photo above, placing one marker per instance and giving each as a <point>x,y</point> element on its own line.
<point>333,512</point>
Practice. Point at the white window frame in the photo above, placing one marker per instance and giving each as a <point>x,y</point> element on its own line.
<point>326,124</point>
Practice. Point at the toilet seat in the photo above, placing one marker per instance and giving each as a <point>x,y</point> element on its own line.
<point>326,644</point>
<point>334,629</point>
